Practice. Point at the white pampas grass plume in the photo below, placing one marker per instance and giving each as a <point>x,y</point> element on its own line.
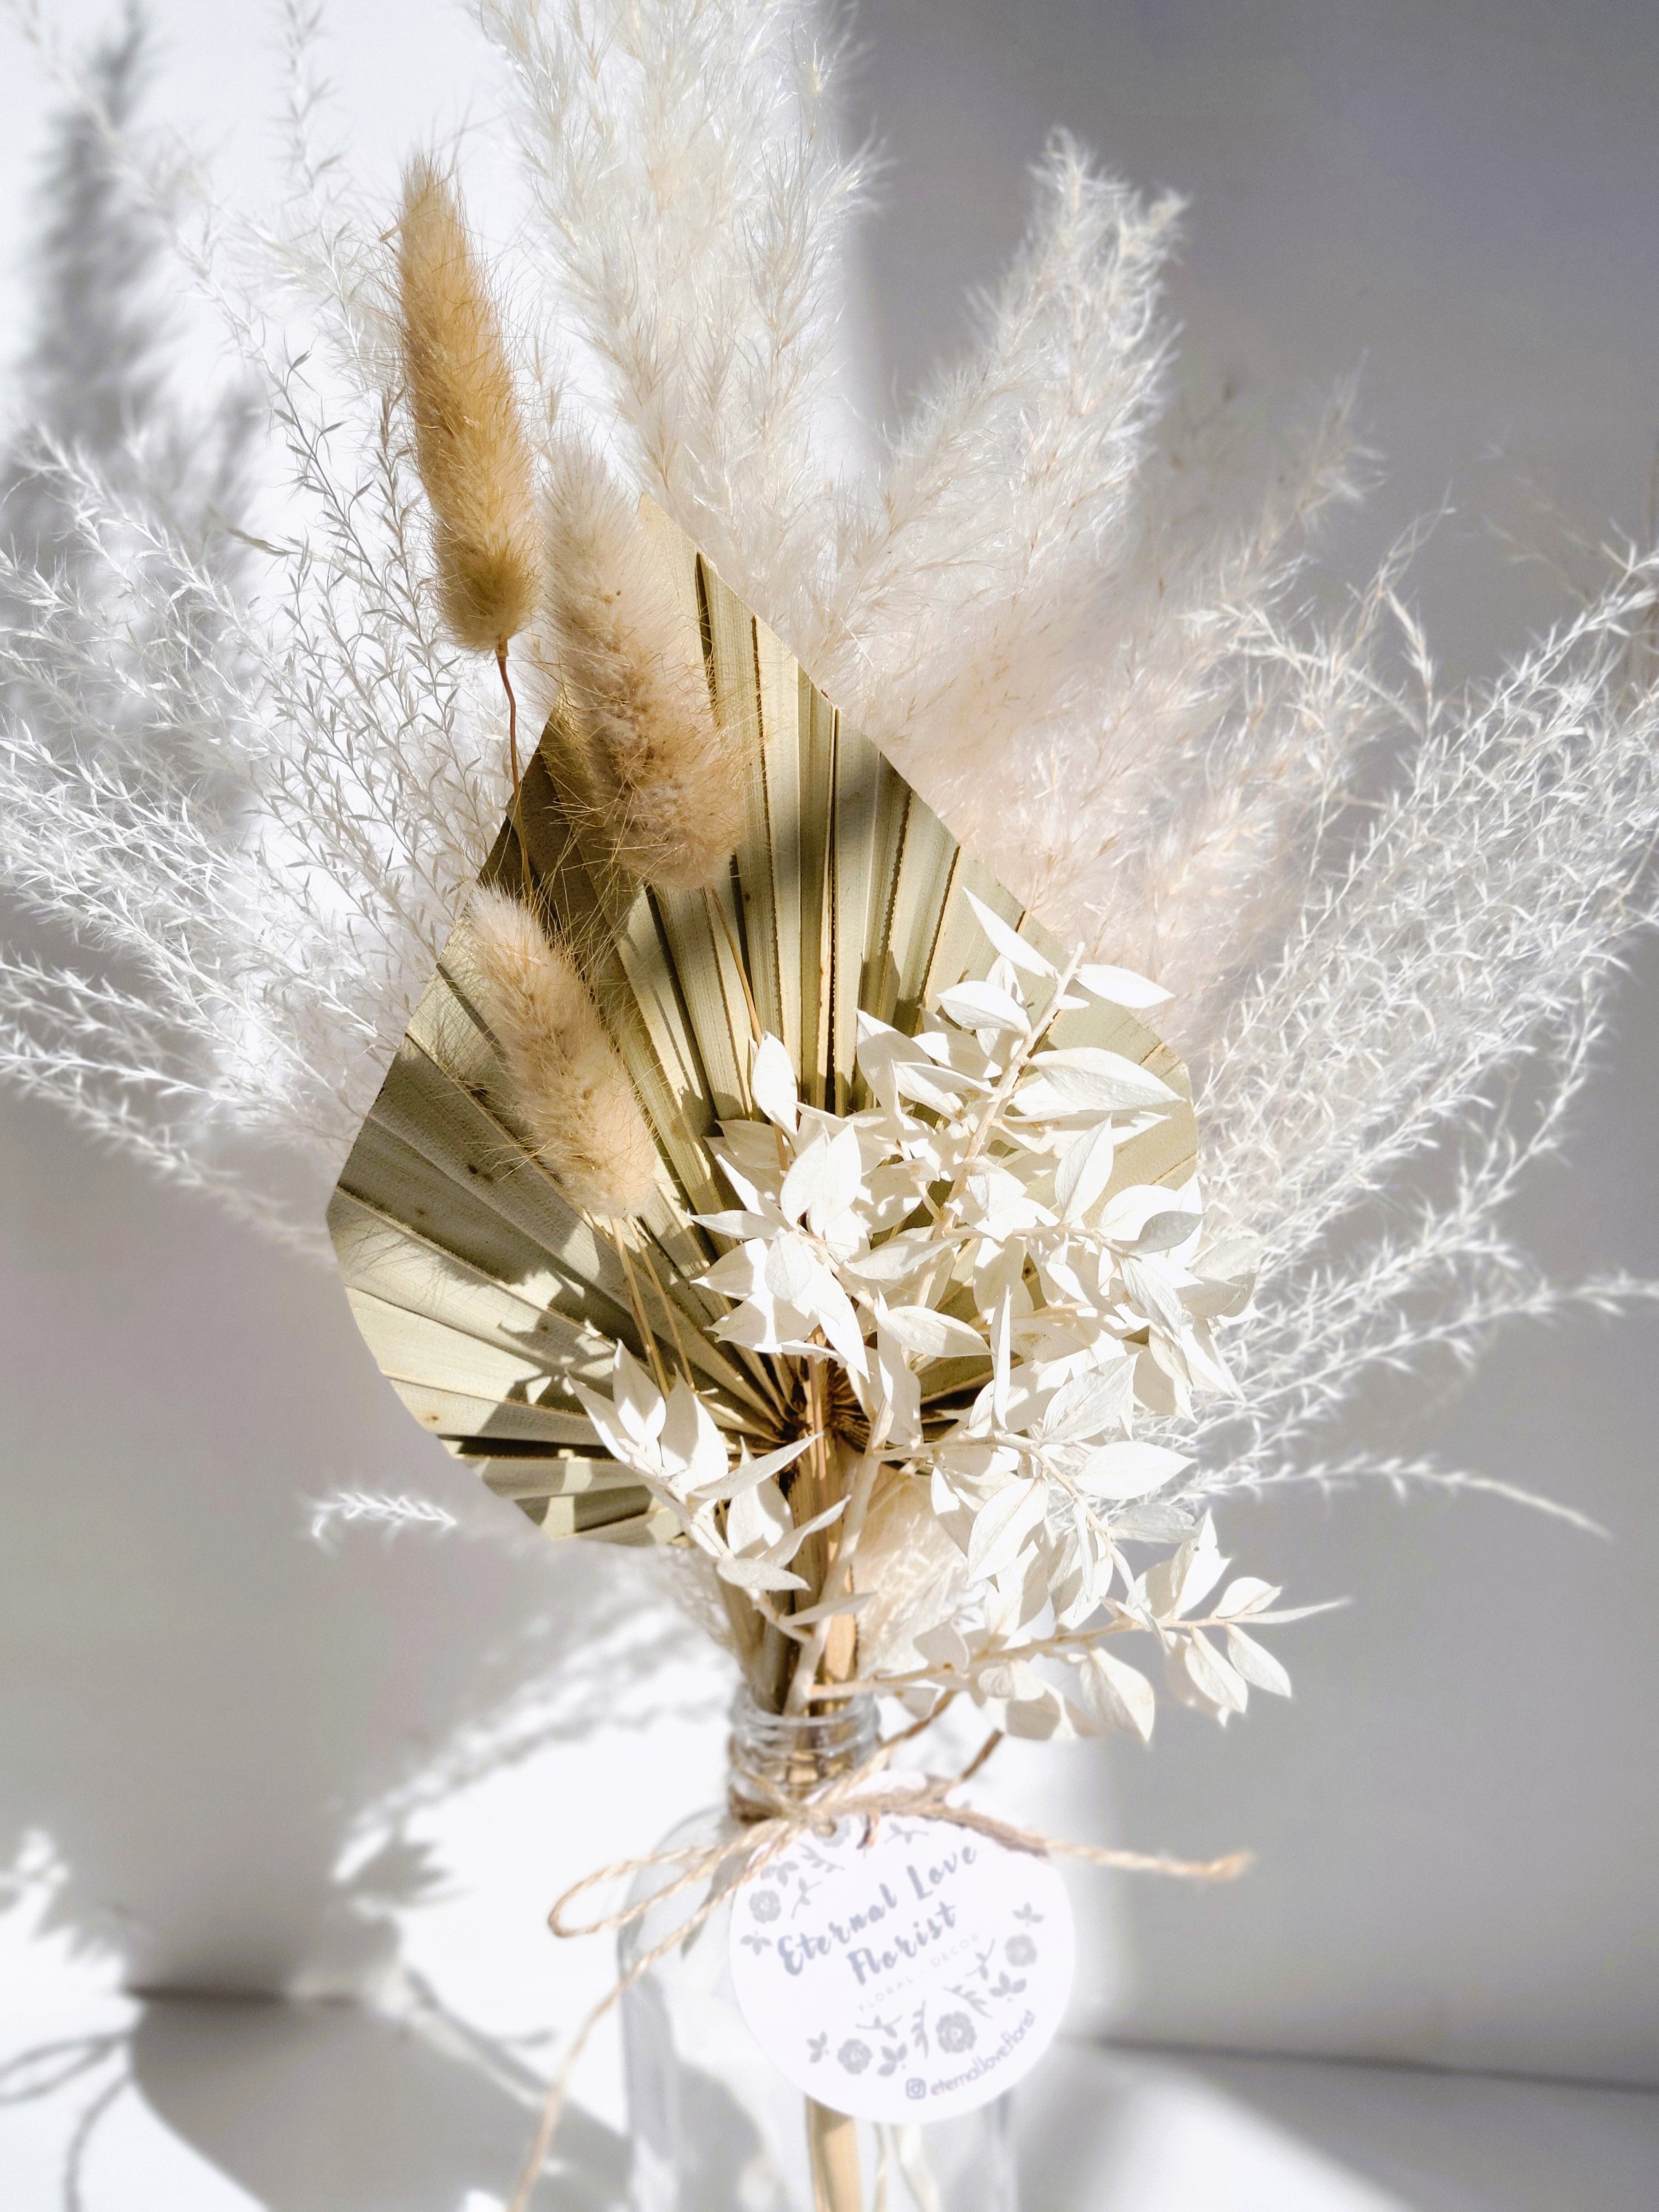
<point>378,1508</point>
<point>654,770</point>
<point>569,1086</point>
<point>957,643</point>
<point>470,442</point>
<point>698,210</point>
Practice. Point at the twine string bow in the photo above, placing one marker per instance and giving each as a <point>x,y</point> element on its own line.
<point>773,1818</point>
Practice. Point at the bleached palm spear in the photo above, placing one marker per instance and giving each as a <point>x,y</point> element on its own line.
<point>1023,598</point>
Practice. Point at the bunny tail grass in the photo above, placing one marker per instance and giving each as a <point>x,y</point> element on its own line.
<point>569,1086</point>
<point>470,442</point>
<point>660,778</point>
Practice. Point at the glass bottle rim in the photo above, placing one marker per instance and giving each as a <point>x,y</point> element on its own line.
<point>795,1752</point>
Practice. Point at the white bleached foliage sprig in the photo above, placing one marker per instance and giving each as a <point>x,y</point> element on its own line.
<point>963,1223</point>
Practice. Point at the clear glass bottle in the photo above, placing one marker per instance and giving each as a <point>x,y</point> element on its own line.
<point>712,2125</point>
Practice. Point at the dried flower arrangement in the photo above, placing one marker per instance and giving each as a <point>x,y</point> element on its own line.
<point>753,1172</point>
<point>876,1213</point>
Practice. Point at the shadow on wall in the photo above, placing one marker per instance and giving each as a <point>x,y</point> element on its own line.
<point>210,1699</point>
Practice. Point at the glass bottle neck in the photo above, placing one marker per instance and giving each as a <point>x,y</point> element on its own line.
<point>792,1753</point>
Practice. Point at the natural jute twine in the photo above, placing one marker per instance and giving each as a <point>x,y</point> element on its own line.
<point>766,1835</point>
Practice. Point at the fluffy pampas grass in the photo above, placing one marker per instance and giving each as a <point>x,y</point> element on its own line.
<point>1080,627</point>
<point>569,1086</point>
<point>470,442</point>
<point>662,787</point>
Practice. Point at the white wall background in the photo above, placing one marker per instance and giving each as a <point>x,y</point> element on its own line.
<point>202,1711</point>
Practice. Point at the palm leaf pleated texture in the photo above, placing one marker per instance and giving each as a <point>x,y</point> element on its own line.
<point>482,1292</point>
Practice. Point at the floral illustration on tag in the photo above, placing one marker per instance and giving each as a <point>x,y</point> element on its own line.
<point>915,1972</point>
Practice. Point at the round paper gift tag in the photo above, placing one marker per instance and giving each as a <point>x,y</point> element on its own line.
<point>909,1976</point>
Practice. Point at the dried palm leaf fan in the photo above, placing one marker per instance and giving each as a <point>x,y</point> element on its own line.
<point>481,1290</point>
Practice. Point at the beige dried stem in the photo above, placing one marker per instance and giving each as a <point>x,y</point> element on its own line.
<point>470,442</point>
<point>661,780</point>
<point>569,1086</point>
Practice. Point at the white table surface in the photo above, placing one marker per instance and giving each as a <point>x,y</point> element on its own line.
<point>216,2105</point>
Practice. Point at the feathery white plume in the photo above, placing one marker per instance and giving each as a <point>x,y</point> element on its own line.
<point>1039,597</point>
